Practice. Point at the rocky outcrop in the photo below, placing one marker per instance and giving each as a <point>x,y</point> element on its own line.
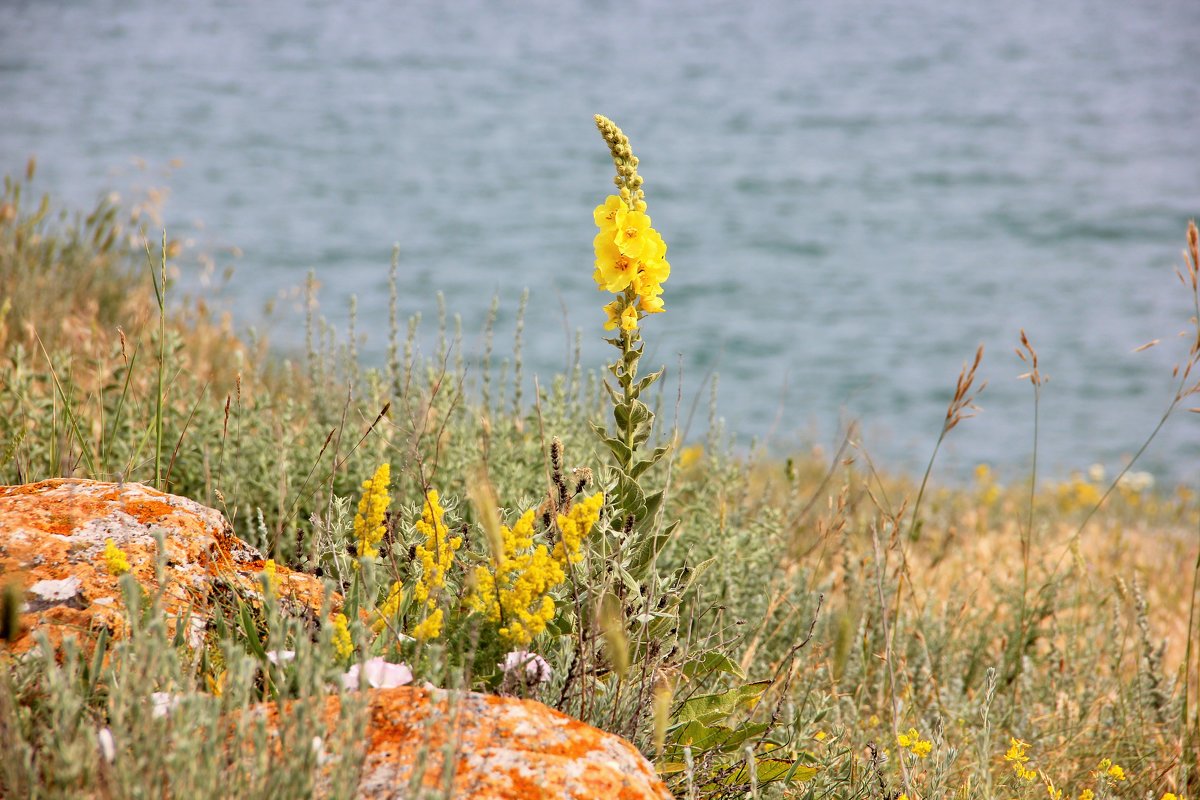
<point>495,748</point>
<point>52,542</point>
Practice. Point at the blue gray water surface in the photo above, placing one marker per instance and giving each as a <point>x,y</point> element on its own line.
<point>855,194</point>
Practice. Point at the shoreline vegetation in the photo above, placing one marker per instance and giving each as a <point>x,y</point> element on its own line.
<point>799,627</point>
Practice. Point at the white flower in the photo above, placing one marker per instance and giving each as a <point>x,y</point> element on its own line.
<point>380,674</point>
<point>164,703</point>
<point>1096,473</point>
<point>280,656</point>
<point>535,667</point>
<point>108,748</point>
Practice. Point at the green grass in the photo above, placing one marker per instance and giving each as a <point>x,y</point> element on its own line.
<point>992,615</point>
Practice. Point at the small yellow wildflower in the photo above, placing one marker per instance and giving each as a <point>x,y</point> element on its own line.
<point>1052,791</point>
<point>1017,757</point>
<point>1088,794</point>
<point>114,558</point>
<point>368,522</point>
<point>1111,771</point>
<point>343,645</point>
<point>913,742</point>
<point>820,736</point>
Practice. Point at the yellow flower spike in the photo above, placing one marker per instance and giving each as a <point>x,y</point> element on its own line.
<point>343,644</point>
<point>368,522</point>
<point>435,554</point>
<point>115,560</point>
<point>390,608</point>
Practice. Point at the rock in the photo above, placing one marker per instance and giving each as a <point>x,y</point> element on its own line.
<point>52,537</point>
<point>506,749</point>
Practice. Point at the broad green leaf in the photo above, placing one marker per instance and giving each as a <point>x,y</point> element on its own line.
<point>772,769</point>
<point>711,662</point>
<point>704,737</point>
<point>710,708</point>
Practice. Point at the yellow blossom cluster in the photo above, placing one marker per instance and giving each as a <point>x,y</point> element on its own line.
<point>436,554</point>
<point>114,559</point>
<point>631,256</point>
<point>576,525</point>
<point>368,522</point>
<point>390,607</point>
<point>516,595</point>
<point>913,742</point>
<point>343,645</point>
<point>1017,758</point>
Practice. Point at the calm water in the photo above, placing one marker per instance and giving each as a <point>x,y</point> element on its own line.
<point>855,194</point>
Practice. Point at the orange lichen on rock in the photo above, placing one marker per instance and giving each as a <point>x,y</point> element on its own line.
<point>498,748</point>
<point>52,542</point>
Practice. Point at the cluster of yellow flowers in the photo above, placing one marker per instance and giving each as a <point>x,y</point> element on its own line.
<point>517,593</point>
<point>913,742</point>
<point>368,522</point>
<point>436,554</point>
<point>631,257</point>
<point>114,559</point>
<point>575,526</point>
<point>1017,757</point>
<point>343,645</point>
<point>390,607</point>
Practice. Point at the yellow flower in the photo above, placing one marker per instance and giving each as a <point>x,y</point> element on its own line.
<point>633,234</point>
<point>368,522</point>
<point>430,627</point>
<point>1111,771</point>
<point>436,552</point>
<point>343,645</point>
<point>390,608</point>
<point>651,305</point>
<point>606,214</point>
<point>114,558</point>
<point>1016,751</point>
<point>1088,794</point>
<point>516,594</point>
<point>629,318</point>
<point>614,270</point>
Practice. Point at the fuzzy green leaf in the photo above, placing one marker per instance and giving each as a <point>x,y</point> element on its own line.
<point>711,662</point>
<point>710,708</point>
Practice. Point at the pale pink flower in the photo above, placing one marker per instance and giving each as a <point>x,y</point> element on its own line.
<point>379,674</point>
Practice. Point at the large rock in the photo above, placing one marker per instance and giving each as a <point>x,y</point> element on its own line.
<point>500,748</point>
<point>52,539</point>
